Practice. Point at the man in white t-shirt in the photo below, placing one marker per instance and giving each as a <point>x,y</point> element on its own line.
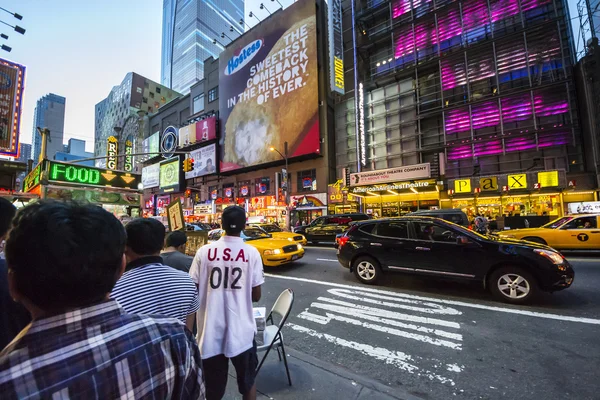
<point>228,273</point>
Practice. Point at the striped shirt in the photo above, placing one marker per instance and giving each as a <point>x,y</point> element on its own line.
<point>150,287</point>
<point>99,352</point>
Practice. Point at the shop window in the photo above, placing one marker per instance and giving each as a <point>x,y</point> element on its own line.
<point>213,94</point>
<point>307,180</point>
<point>262,186</point>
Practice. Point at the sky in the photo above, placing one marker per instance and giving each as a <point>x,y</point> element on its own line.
<point>80,49</point>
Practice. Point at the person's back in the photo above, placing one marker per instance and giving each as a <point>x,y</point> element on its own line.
<point>148,286</point>
<point>174,253</point>
<point>228,273</point>
<point>64,259</point>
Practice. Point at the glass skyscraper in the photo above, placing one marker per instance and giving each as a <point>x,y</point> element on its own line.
<point>49,113</point>
<point>190,28</point>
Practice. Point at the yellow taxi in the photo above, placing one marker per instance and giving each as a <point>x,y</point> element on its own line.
<point>274,252</point>
<point>278,233</point>
<point>573,232</point>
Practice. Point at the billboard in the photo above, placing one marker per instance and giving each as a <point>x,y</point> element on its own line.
<point>112,148</point>
<point>398,174</point>
<point>201,131</point>
<point>12,81</point>
<point>268,90</point>
<point>170,175</point>
<point>204,161</point>
<point>150,176</point>
<point>336,46</point>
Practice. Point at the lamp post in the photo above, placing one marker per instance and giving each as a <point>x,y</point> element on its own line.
<point>253,15</point>
<point>262,7</point>
<point>287,185</point>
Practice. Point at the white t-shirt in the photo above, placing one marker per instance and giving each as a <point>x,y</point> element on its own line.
<point>225,272</point>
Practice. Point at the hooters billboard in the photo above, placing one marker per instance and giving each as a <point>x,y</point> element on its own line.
<point>268,90</point>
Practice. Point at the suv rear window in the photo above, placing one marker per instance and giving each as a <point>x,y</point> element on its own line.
<point>368,228</point>
<point>393,229</point>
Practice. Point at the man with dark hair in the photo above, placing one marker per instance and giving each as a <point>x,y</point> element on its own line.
<point>63,260</point>
<point>229,274</point>
<point>13,316</point>
<point>148,286</point>
<point>174,255</point>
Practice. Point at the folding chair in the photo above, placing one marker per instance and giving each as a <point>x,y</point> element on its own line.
<point>272,334</point>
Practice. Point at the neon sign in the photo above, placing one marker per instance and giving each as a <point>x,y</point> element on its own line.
<point>111,152</point>
<point>33,178</point>
<point>128,156</point>
<point>83,175</point>
<point>361,126</point>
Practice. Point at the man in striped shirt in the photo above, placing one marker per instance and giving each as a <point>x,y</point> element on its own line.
<point>148,286</point>
<point>63,259</point>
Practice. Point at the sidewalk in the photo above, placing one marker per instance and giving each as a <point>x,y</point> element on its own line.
<point>313,379</point>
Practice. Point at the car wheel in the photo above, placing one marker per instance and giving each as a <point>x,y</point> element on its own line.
<point>535,239</point>
<point>513,285</point>
<point>366,270</point>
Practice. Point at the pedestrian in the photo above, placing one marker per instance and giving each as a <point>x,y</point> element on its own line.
<point>148,286</point>
<point>174,254</point>
<point>229,275</point>
<point>13,316</point>
<point>63,260</point>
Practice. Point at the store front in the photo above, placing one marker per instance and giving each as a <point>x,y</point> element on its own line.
<point>305,208</point>
<point>340,200</point>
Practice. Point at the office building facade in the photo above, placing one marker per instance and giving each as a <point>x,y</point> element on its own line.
<point>75,150</point>
<point>123,115</point>
<point>24,153</point>
<point>194,30</point>
<point>49,113</point>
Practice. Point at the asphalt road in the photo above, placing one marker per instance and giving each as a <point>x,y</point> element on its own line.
<point>440,339</point>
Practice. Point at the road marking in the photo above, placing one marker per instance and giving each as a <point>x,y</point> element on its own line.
<point>584,260</point>
<point>396,358</point>
<point>536,314</point>
<point>326,259</point>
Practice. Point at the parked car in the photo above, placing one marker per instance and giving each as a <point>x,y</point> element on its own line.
<point>278,233</point>
<point>325,228</point>
<point>514,271</point>
<point>454,215</point>
<point>574,232</point>
<point>274,252</point>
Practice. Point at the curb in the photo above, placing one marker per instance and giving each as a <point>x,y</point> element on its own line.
<point>343,373</point>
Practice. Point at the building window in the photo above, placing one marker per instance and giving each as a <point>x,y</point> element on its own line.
<point>139,90</point>
<point>263,186</point>
<point>198,104</point>
<point>151,95</point>
<point>213,94</point>
<point>144,100</point>
<point>146,84</point>
<point>157,89</point>
<point>307,180</point>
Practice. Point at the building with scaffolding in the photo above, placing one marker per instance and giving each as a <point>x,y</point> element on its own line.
<point>477,89</point>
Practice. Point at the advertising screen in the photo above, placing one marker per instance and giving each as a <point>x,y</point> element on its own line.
<point>90,176</point>
<point>268,90</point>
<point>150,176</point>
<point>200,131</point>
<point>170,175</point>
<point>204,161</point>
<point>12,79</point>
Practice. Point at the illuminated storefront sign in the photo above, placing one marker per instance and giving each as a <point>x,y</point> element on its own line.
<point>488,184</point>
<point>361,126</point>
<point>83,175</point>
<point>517,181</point>
<point>112,148</point>
<point>128,167</point>
<point>462,186</point>
<point>548,179</point>
<point>33,178</point>
<point>406,173</point>
<point>394,186</point>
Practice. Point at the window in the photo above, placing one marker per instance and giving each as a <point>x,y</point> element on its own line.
<point>157,90</point>
<point>151,95</point>
<point>198,104</point>
<point>144,100</point>
<point>138,89</point>
<point>367,228</point>
<point>434,233</point>
<point>263,186</point>
<point>582,223</point>
<point>393,229</point>
<point>307,180</point>
<point>213,94</point>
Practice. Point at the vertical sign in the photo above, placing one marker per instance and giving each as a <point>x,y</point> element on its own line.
<point>175,216</point>
<point>12,77</point>
<point>362,156</point>
<point>111,152</point>
<point>336,50</point>
<point>128,156</point>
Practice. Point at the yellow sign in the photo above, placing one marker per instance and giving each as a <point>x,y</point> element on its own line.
<point>462,186</point>
<point>548,179</point>
<point>518,181</point>
<point>488,184</point>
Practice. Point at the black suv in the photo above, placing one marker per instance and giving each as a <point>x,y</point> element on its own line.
<point>515,271</point>
<point>325,228</point>
<point>454,215</point>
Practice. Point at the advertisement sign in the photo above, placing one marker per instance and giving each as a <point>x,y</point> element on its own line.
<point>308,201</point>
<point>33,178</point>
<point>362,145</point>
<point>591,207</point>
<point>548,179</point>
<point>92,196</point>
<point>395,186</point>
<point>128,166</point>
<point>336,46</point>
<point>168,142</point>
<point>175,216</point>
<point>151,176</point>
<point>204,161</point>
<point>112,148</point>
<point>90,176</point>
<point>12,79</point>
<point>488,184</point>
<point>206,129</point>
<point>268,90</point>
<point>170,175</point>
<point>228,192</point>
<point>462,186</point>
<point>417,171</point>
<point>517,181</point>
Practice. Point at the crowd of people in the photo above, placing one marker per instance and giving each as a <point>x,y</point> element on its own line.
<point>94,309</point>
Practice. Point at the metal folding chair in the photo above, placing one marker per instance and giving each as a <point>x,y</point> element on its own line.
<point>272,334</point>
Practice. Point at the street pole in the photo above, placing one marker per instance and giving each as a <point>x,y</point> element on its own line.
<point>287,187</point>
<point>45,134</point>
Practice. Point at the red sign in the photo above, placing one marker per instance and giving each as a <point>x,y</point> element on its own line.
<point>537,185</point>
<point>477,190</point>
<point>12,79</point>
<point>572,183</point>
<point>505,188</point>
<point>450,192</point>
<point>206,129</point>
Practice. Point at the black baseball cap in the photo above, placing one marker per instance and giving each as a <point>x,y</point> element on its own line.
<point>233,219</point>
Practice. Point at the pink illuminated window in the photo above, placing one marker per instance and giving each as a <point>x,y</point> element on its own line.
<point>460,152</point>
<point>475,16</point>
<point>402,7</point>
<point>485,114</point>
<point>457,121</point>
<point>449,25</point>
<point>425,37</point>
<point>405,43</point>
<point>487,148</point>
<point>453,73</point>
<point>519,143</point>
<point>502,9</point>
<point>516,108</point>
<point>481,66</point>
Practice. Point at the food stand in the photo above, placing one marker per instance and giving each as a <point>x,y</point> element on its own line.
<point>115,191</point>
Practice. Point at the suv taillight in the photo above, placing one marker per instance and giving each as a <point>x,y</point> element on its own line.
<point>342,241</point>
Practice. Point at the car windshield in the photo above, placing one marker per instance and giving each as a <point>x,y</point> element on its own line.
<point>557,223</point>
<point>271,228</point>
<point>467,232</point>
<point>254,233</point>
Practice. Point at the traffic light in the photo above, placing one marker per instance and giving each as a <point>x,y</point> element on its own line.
<point>188,165</point>
<point>191,164</point>
<point>185,165</point>
<point>188,193</point>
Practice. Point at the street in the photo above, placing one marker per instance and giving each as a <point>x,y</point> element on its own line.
<point>438,339</point>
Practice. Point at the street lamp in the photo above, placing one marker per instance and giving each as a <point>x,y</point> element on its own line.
<point>278,3</point>
<point>224,35</point>
<point>253,15</point>
<point>287,185</point>
<point>242,22</point>
<point>17,16</point>
<point>17,28</point>
<point>262,7</point>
